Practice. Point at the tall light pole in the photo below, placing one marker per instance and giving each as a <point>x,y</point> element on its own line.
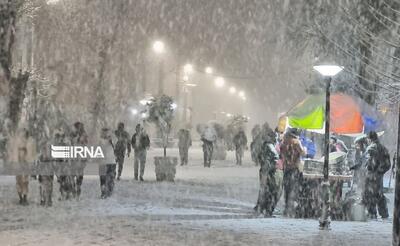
<point>396,212</point>
<point>159,48</point>
<point>328,71</point>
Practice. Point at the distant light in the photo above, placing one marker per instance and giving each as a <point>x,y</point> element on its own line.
<point>143,102</point>
<point>244,98</point>
<point>241,94</point>
<point>134,111</point>
<point>229,115</point>
<point>143,115</point>
<point>219,82</point>
<point>209,70</point>
<point>188,69</point>
<point>232,90</point>
<point>185,78</point>
<point>328,70</point>
<point>158,47</point>
<point>191,84</point>
<point>52,1</point>
<point>174,105</point>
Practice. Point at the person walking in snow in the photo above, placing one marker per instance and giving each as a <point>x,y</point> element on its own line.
<point>240,143</point>
<point>122,147</point>
<point>291,152</point>
<point>268,158</point>
<point>64,170</point>
<point>108,164</point>
<point>184,142</point>
<point>78,138</point>
<point>208,138</point>
<point>140,143</point>
<point>378,163</point>
<point>22,154</point>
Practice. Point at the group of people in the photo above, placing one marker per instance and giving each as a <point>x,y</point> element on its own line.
<point>24,153</point>
<point>279,156</point>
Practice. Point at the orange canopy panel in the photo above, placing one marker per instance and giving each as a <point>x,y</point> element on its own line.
<point>345,115</point>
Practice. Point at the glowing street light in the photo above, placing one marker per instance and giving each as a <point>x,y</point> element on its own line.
<point>241,94</point>
<point>328,71</point>
<point>188,68</point>
<point>232,90</point>
<point>185,78</point>
<point>49,2</point>
<point>219,82</point>
<point>158,46</point>
<point>209,70</point>
<point>134,111</point>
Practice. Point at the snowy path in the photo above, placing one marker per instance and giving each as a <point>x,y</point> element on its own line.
<point>203,207</point>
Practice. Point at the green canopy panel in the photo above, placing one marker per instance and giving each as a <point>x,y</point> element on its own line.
<point>307,106</point>
<point>313,120</point>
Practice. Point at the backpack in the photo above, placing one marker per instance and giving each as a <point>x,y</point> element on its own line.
<point>384,160</point>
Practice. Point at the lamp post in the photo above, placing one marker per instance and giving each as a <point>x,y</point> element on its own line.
<point>328,71</point>
<point>159,48</point>
<point>396,212</point>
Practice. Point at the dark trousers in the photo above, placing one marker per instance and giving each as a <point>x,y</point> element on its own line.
<point>184,153</point>
<point>268,193</point>
<point>374,197</point>
<point>239,155</point>
<point>120,163</point>
<point>291,182</point>
<point>207,151</point>
<point>107,174</point>
<point>46,189</point>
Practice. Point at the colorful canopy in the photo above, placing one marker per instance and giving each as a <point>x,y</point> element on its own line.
<point>348,115</point>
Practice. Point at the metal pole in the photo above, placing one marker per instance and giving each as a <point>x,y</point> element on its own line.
<point>185,105</point>
<point>325,220</point>
<point>396,212</point>
<point>161,78</point>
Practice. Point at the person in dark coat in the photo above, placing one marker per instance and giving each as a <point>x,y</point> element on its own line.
<point>268,157</point>
<point>378,162</point>
<point>79,138</point>
<point>184,142</point>
<point>240,143</point>
<point>122,147</point>
<point>208,137</point>
<point>140,143</point>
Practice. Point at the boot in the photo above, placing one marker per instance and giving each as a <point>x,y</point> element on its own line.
<point>25,200</point>
<point>21,199</point>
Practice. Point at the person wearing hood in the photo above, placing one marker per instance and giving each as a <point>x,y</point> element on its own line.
<point>240,142</point>
<point>122,147</point>
<point>208,137</point>
<point>22,154</point>
<point>378,163</point>
<point>268,157</point>
<point>291,152</point>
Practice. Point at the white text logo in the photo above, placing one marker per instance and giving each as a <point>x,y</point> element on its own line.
<point>76,152</point>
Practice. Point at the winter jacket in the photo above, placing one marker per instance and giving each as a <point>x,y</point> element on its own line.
<point>140,141</point>
<point>122,142</point>
<point>268,157</point>
<point>240,140</point>
<point>107,146</point>
<point>291,152</point>
<point>184,138</point>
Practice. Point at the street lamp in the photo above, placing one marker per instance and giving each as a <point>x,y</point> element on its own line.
<point>188,69</point>
<point>328,71</point>
<point>241,94</point>
<point>209,70</point>
<point>49,2</point>
<point>219,82</point>
<point>158,46</point>
<point>232,90</point>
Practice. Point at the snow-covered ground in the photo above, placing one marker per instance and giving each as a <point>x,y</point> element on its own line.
<point>205,206</point>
